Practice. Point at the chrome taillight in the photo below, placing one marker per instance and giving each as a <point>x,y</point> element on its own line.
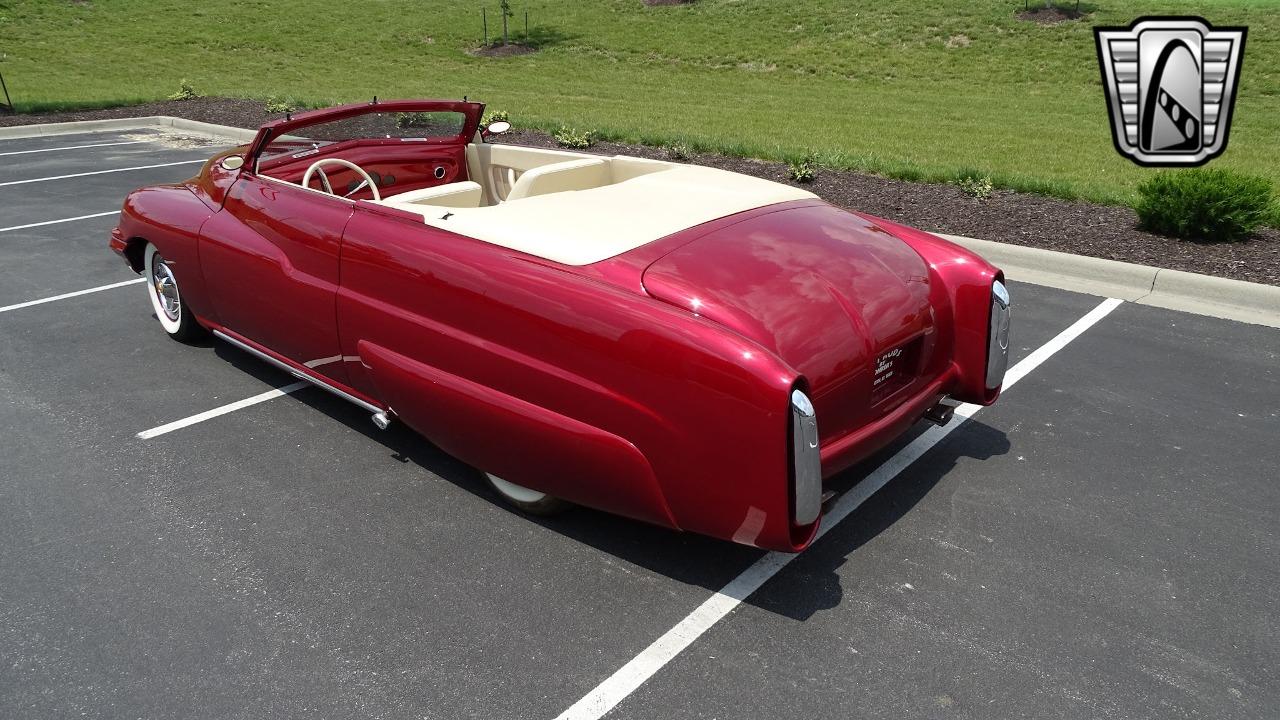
<point>998,336</point>
<point>806,462</point>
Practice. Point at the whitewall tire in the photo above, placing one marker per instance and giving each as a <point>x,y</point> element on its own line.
<point>166,299</point>
<point>523,498</point>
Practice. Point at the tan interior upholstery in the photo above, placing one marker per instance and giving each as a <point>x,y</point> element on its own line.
<point>576,208</point>
<point>639,201</point>
<point>624,168</point>
<point>458,194</point>
<point>498,167</point>
<point>522,158</point>
<point>476,173</point>
<point>561,177</point>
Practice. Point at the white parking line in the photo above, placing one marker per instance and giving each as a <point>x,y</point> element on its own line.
<point>101,172</point>
<point>71,147</point>
<point>64,296</point>
<point>63,220</point>
<point>631,676</point>
<point>229,407</point>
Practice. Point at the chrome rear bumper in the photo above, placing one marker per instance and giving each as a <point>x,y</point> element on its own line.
<point>998,336</point>
<point>806,461</point>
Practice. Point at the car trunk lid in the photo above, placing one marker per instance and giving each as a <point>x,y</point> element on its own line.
<point>839,299</point>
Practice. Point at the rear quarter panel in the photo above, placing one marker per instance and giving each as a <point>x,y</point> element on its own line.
<point>437,318</point>
<point>963,279</point>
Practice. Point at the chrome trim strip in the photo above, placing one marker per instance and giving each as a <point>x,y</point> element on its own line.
<point>806,459</point>
<point>299,374</point>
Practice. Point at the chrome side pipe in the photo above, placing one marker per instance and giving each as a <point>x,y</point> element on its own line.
<point>381,418</point>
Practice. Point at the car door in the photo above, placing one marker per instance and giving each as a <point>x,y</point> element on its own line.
<point>270,256</point>
<point>270,260</point>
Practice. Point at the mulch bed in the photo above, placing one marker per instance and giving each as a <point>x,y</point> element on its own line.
<point>1021,219</point>
<point>222,111</point>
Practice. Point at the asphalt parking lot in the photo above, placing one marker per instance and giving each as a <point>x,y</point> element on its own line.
<point>1103,542</point>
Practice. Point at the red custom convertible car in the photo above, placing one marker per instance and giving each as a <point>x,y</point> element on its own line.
<point>682,345</point>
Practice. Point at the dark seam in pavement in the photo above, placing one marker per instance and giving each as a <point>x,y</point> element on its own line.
<point>1152,288</point>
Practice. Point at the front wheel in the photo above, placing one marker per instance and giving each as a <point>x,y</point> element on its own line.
<point>166,300</point>
<point>523,498</point>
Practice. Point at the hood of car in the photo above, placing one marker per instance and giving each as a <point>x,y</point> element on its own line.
<point>839,299</point>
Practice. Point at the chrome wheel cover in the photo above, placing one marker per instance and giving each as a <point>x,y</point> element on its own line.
<point>165,287</point>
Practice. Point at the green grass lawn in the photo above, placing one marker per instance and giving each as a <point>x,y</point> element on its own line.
<point>911,88</point>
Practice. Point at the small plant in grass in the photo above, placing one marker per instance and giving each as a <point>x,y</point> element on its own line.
<point>678,151</point>
<point>573,138</point>
<point>186,91</point>
<point>803,169</point>
<point>1205,205</point>
<point>276,106</point>
<point>494,116</point>
<point>979,188</point>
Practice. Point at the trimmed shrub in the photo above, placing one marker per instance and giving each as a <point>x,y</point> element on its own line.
<point>572,138</point>
<point>186,91</point>
<point>1205,205</point>
<point>494,116</point>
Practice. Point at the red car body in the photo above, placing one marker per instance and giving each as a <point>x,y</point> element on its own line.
<point>656,384</point>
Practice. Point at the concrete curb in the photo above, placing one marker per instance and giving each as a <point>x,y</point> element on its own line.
<point>1093,276</point>
<point>1142,284</point>
<point>1218,297</point>
<point>239,135</point>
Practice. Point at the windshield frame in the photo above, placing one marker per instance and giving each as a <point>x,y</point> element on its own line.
<point>471,111</point>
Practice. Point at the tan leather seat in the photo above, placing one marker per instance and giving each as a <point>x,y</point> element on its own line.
<point>582,174</point>
<point>465,194</point>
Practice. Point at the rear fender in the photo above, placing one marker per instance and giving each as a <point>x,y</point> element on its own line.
<point>966,278</point>
<point>512,438</point>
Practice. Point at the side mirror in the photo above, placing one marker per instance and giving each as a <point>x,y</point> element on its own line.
<point>232,162</point>
<point>497,128</point>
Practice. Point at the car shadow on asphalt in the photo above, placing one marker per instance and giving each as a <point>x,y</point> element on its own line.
<point>813,581</point>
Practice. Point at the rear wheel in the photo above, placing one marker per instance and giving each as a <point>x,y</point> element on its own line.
<point>166,300</point>
<point>530,501</point>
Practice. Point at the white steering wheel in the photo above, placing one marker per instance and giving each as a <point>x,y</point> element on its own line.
<point>324,179</point>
